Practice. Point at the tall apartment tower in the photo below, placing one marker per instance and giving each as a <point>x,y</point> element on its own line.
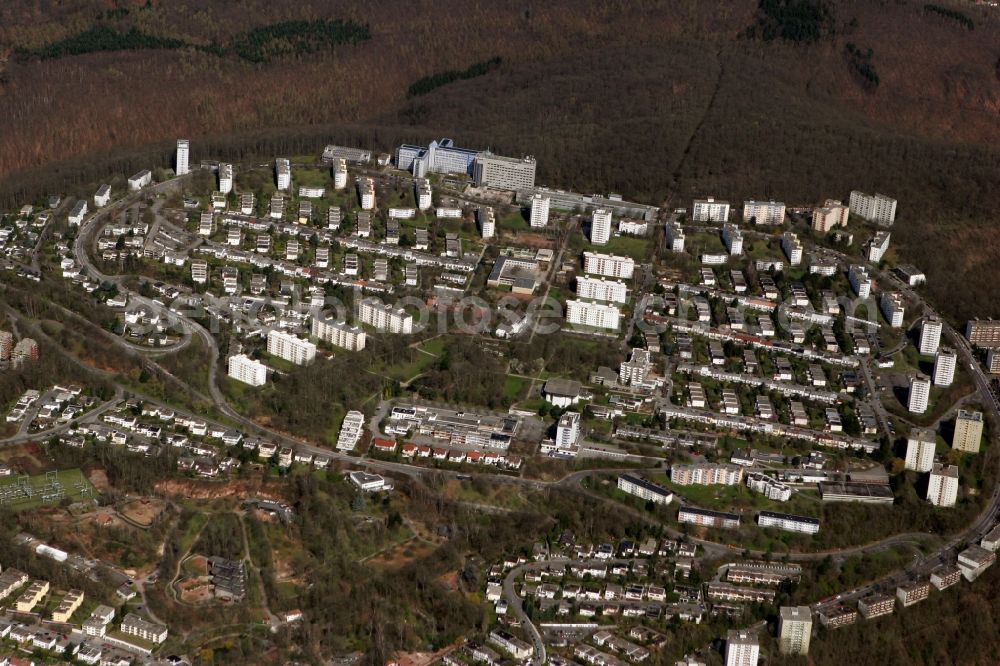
<point>944,366</point>
<point>340,174</point>
<point>539,211</point>
<point>487,222</point>
<point>794,629</point>
<point>183,153</point>
<point>600,227</point>
<point>942,485</point>
<point>6,345</point>
<point>283,173</point>
<point>876,208</point>
<point>742,648</point>
<point>968,431</point>
<point>568,430</point>
<point>930,335</point>
<point>920,450</point>
<point>225,178</point>
<point>920,391</point>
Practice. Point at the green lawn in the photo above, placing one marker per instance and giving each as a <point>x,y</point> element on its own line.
<point>39,491</point>
<point>515,387</point>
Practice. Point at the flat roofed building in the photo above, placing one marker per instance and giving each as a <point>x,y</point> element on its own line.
<point>600,226</point>
<point>920,450</point>
<point>539,211</point>
<point>709,210</point>
<point>983,332</point>
<point>339,333</point>
<point>69,604</point>
<point>912,593</point>
<point>595,315</point>
<point>350,431</point>
<point>133,625</point>
<point>844,491</point>
<point>503,173</point>
<point>244,369</point>
<point>706,475</point>
<point>707,518</point>
<point>225,178</point>
<point>930,335</point>
<point>291,348</point>
<point>742,648</point>
<point>838,617</point>
<point>103,196</point>
<point>942,485</point>
<point>877,208</point>
<point>831,214</point>
<point>601,289</point>
<point>608,265</point>
<point>968,433</point>
<point>183,155</point>
<point>945,363</point>
<point>644,489</point>
<point>876,605</point>
<point>763,212</point>
<point>384,317</point>
<point>788,522</point>
<point>763,573</point>
<point>974,560</point>
<point>794,629</point>
<point>945,576</point>
<point>920,391</point>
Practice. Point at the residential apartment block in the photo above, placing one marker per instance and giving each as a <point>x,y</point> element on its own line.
<point>600,226</point>
<point>763,212</point>
<point>709,210</point>
<point>601,289</point>
<point>338,333</point>
<point>608,265</point>
<point>291,348</point>
<point>503,173</point>
<point>706,475</point>
<point>788,522</point>
<point>384,317</point>
<point>968,431</point>
<point>920,391</point>
<point>596,315</point>
<point>892,307</point>
<point>831,214</point>
<point>920,450</point>
<point>877,208</point>
<point>794,629</point>
<point>942,485</point>
<point>539,211</point>
<point>644,489</point>
<point>244,369</point>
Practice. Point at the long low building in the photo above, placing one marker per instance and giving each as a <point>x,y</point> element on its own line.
<point>726,592</point>
<point>644,489</point>
<point>788,522</point>
<point>763,573</point>
<point>846,491</point>
<point>707,518</point>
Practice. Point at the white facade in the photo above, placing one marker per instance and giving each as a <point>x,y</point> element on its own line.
<point>930,335</point>
<point>103,196</point>
<point>733,238</point>
<point>183,154</point>
<point>504,173</point>
<point>311,192</point>
<point>539,211</point>
<point>597,315</point>
<point>944,366</point>
<point>283,170</point>
<point>366,193</point>
<point>877,246</point>
<point>608,265</point>
<point>339,333</point>
<point>876,208</point>
<point>568,430</point>
<point>245,369</point>
<point>351,430</point>
<point>340,174</point>
<point>76,215</point>
<point>644,489</point>
<point>225,178</point>
<point>920,450</point>
<point>675,237</point>
<point>384,317</point>
<point>794,629</point>
<point>741,649</point>
<point>942,485</point>
<point>601,289</point>
<point>487,222</point>
<point>600,226</point>
<point>764,212</point>
<point>709,210</point>
<point>892,308</point>
<point>293,349</point>
<point>793,248</point>
<point>788,522</point>
<point>140,180</point>
<point>860,281</point>
<point>422,192</point>
<point>920,391</point>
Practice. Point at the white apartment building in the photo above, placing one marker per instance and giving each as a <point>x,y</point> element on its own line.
<point>422,192</point>
<point>293,349</point>
<point>675,237</point>
<point>133,625</point>
<point>920,450</point>
<point>601,289</point>
<point>769,487</point>
<point>539,211</point>
<point>763,212</point>
<point>487,222</point>
<point>733,238</point>
<point>878,245</point>
<point>245,369</point>
<point>741,648</point>
<point>351,430</point>
<point>283,171</point>
<point>225,178</point>
<point>503,173</point>
<point>788,522</point>
<point>199,271</point>
<point>608,265</point>
<point>968,431</point>
<point>793,248</point>
<point>340,174</point>
<point>596,315</point>
<point>876,208</point>
<point>860,281</point>
<point>568,430</point>
<point>140,180</point>
<point>942,485</point>
<point>366,193</point>
<point>831,214</point>
<point>600,226</point>
<point>920,391</point>
<point>183,154</point>
<point>944,366</point>
<point>311,192</point>
<point>930,335</point>
<point>102,197</point>
<point>339,333</point>
<point>709,210</point>
<point>384,317</point>
<point>76,215</point>
<point>206,224</point>
<point>892,308</point>
<point>794,629</point>
<point>644,489</point>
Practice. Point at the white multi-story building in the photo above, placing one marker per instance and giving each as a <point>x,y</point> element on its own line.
<point>793,248</point>
<point>788,522</point>
<point>608,265</point>
<point>422,192</point>
<point>892,308</point>
<point>351,430</point>
<point>340,174</point>
<point>706,475</point>
<point>733,238</point>
<point>944,366</point>
<point>832,213</point>
<point>183,154</point>
<point>311,191</point>
<point>366,193</point>
<point>794,629</point>
<point>771,488</point>
<point>876,208</point>
<point>133,625</point>
<point>102,197</point>
<point>199,271</point>
<point>600,226</point>
<point>597,315</point>
<point>245,369</point>
<point>709,210</point>
<point>568,430</point>
<point>283,170</point>
<point>76,215</point>
<point>439,157</point>
<point>339,333</point>
<point>539,211</point>
<point>920,450</point>
<point>860,281</point>
<point>206,224</point>
<point>503,173</point>
<point>291,348</point>
<point>675,237</point>
<point>763,212</point>
<point>920,391</point>
<point>225,178</point>
<point>384,317</point>
<point>644,489</point>
<point>942,485</point>
<point>878,245</point>
<point>487,222</point>
<point>140,180</point>
<point>601,289</point>
<point>968,431</point>
<point>742,648</point>
<point>930,335</point>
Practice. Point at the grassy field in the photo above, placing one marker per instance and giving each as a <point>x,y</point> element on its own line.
<point>40,491</point>
<point>515,387</point>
